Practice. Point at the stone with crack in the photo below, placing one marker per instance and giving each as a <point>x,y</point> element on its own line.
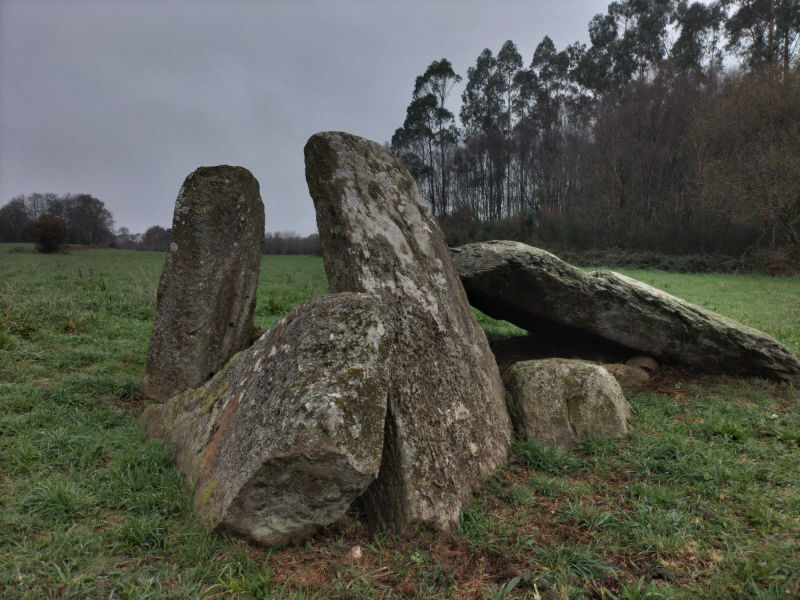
<point>290,432</point>
<point>447,427</point>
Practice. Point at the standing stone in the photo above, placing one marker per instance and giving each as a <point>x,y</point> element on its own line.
<point>290,432</point>
<point>560,402</point>
<point>447,427</point>
<point>207,292</point>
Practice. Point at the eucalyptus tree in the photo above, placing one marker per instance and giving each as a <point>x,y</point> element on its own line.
<point>482,100</point>
<point>488,116</point>
<point>644,39</point>
<point>599,69</point>
<point>482,117</point>
<point>698,27</point>
<point>508,64</point>
<point>438,82</point>
<point>559,101</point>
<point>763,31</point>
<point>527,128</point>
<point>627,42</point>
<point>412,143</point>
<point>429,134</point>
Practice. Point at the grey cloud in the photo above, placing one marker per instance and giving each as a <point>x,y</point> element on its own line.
<point>123,100</point>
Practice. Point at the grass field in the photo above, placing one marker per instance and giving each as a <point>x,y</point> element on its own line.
<point>702,501</point>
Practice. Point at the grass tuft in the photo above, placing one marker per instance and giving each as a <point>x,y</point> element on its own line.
<point>579,562</point>
<point>58,499</point>
<point>545,459</point>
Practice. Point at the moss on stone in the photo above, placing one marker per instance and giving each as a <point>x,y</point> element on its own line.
<point>203,499</point>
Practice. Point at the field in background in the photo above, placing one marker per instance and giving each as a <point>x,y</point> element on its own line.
<point>703,500</point>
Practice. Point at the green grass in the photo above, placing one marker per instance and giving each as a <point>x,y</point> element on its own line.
<point>285,282</point>
<point>702,501</point>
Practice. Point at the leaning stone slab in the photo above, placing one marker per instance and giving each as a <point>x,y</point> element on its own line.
<point>290,432</point>
<point>447,428</point>
<point>560,402</point>
<point>207,292</point>
<point>537,291</point>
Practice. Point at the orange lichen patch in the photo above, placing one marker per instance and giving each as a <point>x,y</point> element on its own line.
<point>224,429</point>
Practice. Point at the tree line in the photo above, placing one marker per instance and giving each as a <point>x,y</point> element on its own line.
<point>52,220</point>
<point>157,238</point>
<point>85,219</point>
<point>675,129</point>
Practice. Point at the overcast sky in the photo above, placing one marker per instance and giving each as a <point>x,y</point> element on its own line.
<point>122,100</point>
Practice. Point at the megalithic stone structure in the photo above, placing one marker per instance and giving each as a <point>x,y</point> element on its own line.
<point>447,427</point>
<point>289,433</point>
<point>207,291</point>
<point>538,291</point>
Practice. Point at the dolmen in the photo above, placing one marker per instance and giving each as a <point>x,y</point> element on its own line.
<point>539,292</point>
<point>384,393</point>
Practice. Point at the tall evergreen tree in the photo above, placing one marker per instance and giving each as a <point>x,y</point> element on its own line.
<point>763,31</point>
<point>429,133</point>
<point>437,82</point>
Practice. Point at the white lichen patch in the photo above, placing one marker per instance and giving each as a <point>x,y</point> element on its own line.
<point>369,221</point>
<point>460,412</point>
<point>373,284</point>
<point>375,335</point>
<point>424,298</point>
<point>173,247</point>
<point>335,415</point>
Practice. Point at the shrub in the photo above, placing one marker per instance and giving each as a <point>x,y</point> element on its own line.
<point>49,233</point>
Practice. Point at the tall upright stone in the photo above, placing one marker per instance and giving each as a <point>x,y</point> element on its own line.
<point>447,426</point>
<point>207,291</point>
